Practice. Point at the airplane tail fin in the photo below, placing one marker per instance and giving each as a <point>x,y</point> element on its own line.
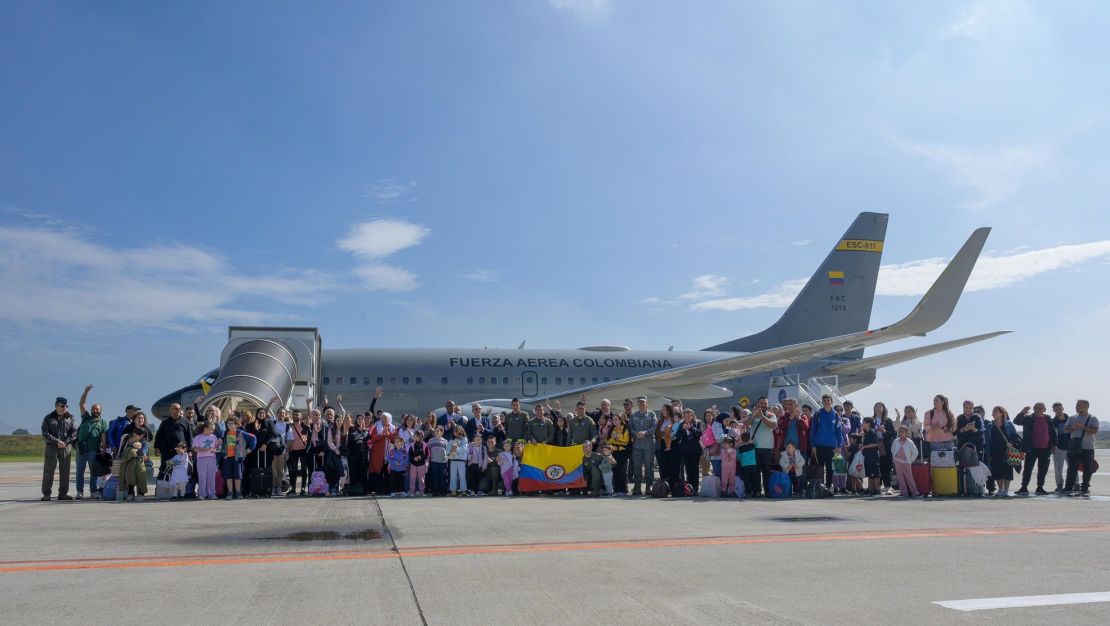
<point>836,300</point>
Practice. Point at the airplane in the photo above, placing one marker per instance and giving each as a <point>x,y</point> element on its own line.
<point>815,347</point>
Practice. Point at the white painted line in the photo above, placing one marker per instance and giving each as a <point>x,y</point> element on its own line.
<point>1014,602</point>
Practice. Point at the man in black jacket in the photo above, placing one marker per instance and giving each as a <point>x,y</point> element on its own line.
<point>59,433</point>
<point>173,430</point>
<point>1038,438</point>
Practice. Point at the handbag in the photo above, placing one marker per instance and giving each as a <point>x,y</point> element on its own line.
<point>1015,457</point>
<point>1075,444</point>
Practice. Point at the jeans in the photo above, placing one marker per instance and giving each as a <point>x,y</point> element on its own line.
<point>298,467</point>
<point>643,469</point>
<point>607,478</point>
<point>437,478</point>
<point>1041,456</point>
<point>83,459</point>
<point>458,476</point>
<point>1085,457</point>
<point>716,465</point>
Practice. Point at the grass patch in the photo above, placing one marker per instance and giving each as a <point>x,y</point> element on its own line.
<point>21,447</point>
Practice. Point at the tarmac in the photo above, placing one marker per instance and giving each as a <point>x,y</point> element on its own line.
<point>553,560</point>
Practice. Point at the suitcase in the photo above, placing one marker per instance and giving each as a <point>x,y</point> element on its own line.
<point>710,487</point>
<point>660,489</point>
<point>943,458</point>
<point>262,482</point>
<point>946,481</point>
<point>922,478</point>
<point>971,487</point>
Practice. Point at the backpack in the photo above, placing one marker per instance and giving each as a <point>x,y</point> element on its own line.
<point>115,431</point>
<point>681,489</point>
<point>708,439</point>
<point>968,456</point>
<point>110,488</point>
<point>816,490</point>
<point>780,485</point>
<point>317,484</point>
<point>710,487</point>
<point>738,487</point>
<point>660,489</point>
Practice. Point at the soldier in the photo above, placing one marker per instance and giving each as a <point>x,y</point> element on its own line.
<point>642,426</point>
<point>59,433</point>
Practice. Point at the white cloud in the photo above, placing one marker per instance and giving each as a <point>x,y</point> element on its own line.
<point>388,190</point>
<point>587,9</point>
<point>992,174</point>
<point>992,271</point>
<point>970,22</point>
<point>803,242</point>
<point>483,276</point>
<point>781,297</point>
<point>706,286</point>
<point>658,301</point>
<point>386,278</point>
<point>64,277</point>
<point>381,238</point>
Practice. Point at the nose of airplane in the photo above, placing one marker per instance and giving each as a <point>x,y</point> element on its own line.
<point>161,408</point>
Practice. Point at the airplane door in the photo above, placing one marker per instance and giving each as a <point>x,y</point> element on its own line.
<point>530,384</point>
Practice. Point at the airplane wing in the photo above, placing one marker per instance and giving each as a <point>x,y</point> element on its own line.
<point>932,311</point>
<point>894,358</point>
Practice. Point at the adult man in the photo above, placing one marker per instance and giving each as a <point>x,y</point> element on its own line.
<point>1083,425</point>
<point>1038,438</point>
<point>761,424</point>
<point>515,422</point>
<point>59,433</point>
<point>90,441</point>
<point>604,415</point>
<point>539,429</point>
<point>450,419</point>
<point>117,426</point>
<point>1060,452</point>
<point>826,436</point>
<point>582,428</point>
<point>478,424</point>
<point>642,426</point>
<point>969,428</point>
<point>172,431</point>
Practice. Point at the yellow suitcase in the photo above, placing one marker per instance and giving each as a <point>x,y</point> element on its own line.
<point>945,481</point>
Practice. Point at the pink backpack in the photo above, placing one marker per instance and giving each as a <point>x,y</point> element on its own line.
<point>708,439</point>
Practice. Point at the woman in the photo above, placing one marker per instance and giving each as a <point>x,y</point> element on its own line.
<point>317,444</point>
<point>262,430</point>
<point>619,439</point>
<point>910,421</point>
<point>664,432</point>
<point>999,438</point>
<point>136,431</point>
<point>334,454</point>
<point>687,450</point>
<point>884,428</point>
<point>296,443</point>
<point>358,456</point>
<point>380,437</point>
<point>428,426</point>
<point>604,425</point>
<point>278,449</point>
<point>408,427</point>
<point>562,433</point>
<point>939,427</point>
<point>713,452</point>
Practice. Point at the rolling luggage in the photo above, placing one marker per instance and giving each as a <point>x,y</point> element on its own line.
<point>780,484</point>
<point>968,456</point>
<point>221,484</point>
<point>922,478</point>
<point>943,458</point>
<point>681,489</point>
<point>710,487</point>
<point>945,480</point>
<point>262,480</point>
<point>317,481</point>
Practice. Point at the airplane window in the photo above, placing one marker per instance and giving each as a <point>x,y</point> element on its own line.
<point>558,380</point>
<point>504,380</point>
<point>339,380</point>
<point>528,379</point>
<point>481,380</point>
<point>354,381</point>
<point>419,380</point>
<point>516,380</point>
<point>583,379</point>
<point>380,380</point>
<point>595,380</point>
<point>543,380</point>
<point>443,381</point>
<point>366,380</point>
<point>327,380</point>
<point>393,380</point>
<point>405,380</point>
<point>493,380</point>
<point>470,381</point>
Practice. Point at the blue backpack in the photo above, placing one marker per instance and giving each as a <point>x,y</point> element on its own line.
<point>110,488</point>
<point>780,485</point>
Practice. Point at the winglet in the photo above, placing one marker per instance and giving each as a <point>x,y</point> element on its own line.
<point>937,304</point>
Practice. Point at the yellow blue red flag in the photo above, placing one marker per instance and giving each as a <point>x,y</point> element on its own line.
<point>547,467</point>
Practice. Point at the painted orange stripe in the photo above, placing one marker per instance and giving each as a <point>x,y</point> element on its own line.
<point>158,562</point>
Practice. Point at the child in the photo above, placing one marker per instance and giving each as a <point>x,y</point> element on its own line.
<point>749,471</point>
<point>459,449</point>
<point>840,473</point>
<point>133,471</point>
<point>179,477</point>
<point>475,465</point>
<point>728,467</point>
<point>605,466</point>
<point>493,472</point>
<point>505,462</point>
<point>398,460</point>
<point>870,447</point>
<point>854,484</point>
<point>205,445</point>
<point>518,460</point>
<point>437,469</point>
<point>236,443</point>
<point>418,464</point>
<point>904,453</point>
<point>792,462</point>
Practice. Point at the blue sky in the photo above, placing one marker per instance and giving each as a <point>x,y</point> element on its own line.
<point>563,171</point>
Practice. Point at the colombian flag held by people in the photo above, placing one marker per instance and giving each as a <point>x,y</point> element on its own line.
<point>547,467</point>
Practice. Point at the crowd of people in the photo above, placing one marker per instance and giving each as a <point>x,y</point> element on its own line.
<point>767,451</point>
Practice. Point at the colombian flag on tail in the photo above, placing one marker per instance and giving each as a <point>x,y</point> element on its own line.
<point>551,467</point>
<point>836,278</point>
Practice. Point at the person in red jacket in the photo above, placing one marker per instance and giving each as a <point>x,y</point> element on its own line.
<point>793,427</point>
<point>381,435</point>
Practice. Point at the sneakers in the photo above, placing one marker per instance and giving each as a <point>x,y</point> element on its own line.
<point>1022,492</point>
<point>79,496</point>
<point>65,497</point>
<point>1040,491</point>
<point>140,498</point>
<point>507,494</point>
<point>45,498</point>
<point>636,491</point>
<point>130,498</point>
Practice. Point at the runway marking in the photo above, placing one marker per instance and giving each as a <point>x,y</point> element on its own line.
<point>161,561</point>
<point>1014,602</point>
